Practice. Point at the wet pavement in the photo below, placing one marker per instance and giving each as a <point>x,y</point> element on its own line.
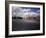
<point>21,25</point>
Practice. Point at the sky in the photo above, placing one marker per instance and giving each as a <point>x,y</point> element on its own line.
<point>32,9</point>
<point>21,11</point>
<point>26,9</point>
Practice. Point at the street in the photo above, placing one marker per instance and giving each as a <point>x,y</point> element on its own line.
<point>21,25</point>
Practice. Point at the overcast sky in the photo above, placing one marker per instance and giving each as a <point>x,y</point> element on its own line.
<point>21,11</point>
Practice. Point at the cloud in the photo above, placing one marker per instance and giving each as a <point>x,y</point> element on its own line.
<point>38,11</point>
<point>25,10</point>
<point>18,11</point>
